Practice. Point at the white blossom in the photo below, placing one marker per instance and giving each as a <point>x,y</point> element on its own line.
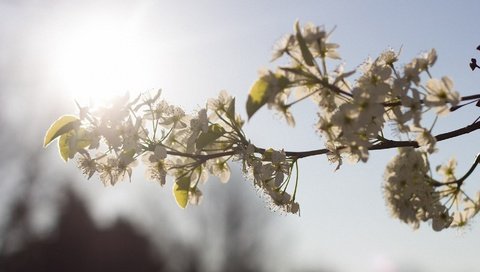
<point>220,169</point>
<point>441,93</point>
<point>448,170</point>
<point>195,196</point>
<point>425,139</point>
<point>221,103</point>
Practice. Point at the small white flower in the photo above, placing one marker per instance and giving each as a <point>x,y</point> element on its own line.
<point>175,118</point>
<point>195,197</point>
<point>441,92</point>
<point>346,118</point>
<point>413,109</point>
<point>221,103</point>
<point>448,170</point>
<point>87,165</point>
<point>427,60</point>
<point>293,207</point>
<point>473,205</point>
<point>425,139</point>
<point>220,169</point>
<point>460,218</point>
<point>317,39</point>
<point>156,165</point>
<point>284,45</point>
<point>262,172</point>
<point>358,150</point>
<point>197,126</point>
<point>388,57</point>
<point>125,164</point>
<point>159,111</point>
<point>113,170</point>
<point>412,72</point>
<point>199,175</point>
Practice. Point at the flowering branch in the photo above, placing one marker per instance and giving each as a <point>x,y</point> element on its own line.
<point>352,115</point>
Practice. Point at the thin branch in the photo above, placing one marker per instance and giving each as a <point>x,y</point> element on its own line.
<point>333,88</point>
<point>301,99</point>
<point>470,97</point>
<point>386,144</point>
<point>463,98</point>
<point>203,156</point>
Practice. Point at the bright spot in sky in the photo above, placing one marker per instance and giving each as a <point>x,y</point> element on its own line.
<point>101,58</point>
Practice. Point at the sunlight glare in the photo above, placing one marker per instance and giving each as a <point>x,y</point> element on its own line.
<point>101,59</point>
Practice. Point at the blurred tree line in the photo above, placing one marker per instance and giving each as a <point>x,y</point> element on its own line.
<point>76,243</point>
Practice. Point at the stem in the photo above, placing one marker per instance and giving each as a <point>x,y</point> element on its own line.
<point>463,98</point>
<point>470,97</point>
<point>470,171</point>
<point>296,181</point>
<point>334,88</point>
<point>303,98</point>
<point>203,157</point>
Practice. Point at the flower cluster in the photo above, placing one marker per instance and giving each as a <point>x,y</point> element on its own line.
<point>414,196</point>
<point>271,173</point>
<point>411,194</point>
<point>189,148</point>
<point>352,116</point>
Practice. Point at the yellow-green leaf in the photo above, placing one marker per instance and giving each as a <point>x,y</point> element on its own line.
<point>69,143</point>
<point>61,126</point>
<point>64,146</point>
<point>180,191</point>
<point>306,54</point>
<point>266,86</point>
<point>257,96</point>
<point>231,110</point>
<point>214,132</point>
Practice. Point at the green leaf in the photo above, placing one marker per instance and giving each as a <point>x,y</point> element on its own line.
<point>257,96</point>
<point>62,125</point>
<point>214,132</point>
<point>265,87</point>
<point>231,110</point>
<point>306,54</point>
<point>65,143</point>
<point>180,191</point>
<point>64,146</point>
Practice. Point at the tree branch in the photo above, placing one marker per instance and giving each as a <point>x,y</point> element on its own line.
<point>386,144</point>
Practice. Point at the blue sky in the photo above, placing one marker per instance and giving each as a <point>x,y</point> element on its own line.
<point>194,49</point>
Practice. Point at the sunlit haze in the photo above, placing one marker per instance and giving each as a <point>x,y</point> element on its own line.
<point>101,57</point>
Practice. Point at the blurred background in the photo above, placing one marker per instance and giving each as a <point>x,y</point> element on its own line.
<point>55,52</point>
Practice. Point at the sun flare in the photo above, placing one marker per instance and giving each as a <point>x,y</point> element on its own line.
<point>98,60</point>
